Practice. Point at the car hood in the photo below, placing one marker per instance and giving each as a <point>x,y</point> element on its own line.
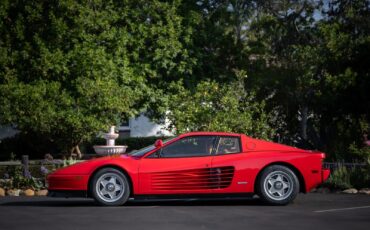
<point>85,167</point>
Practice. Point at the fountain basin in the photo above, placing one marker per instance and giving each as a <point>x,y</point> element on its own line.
<point>111,136</point>
<point>110,150</point>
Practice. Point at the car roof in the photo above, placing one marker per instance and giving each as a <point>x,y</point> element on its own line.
<point>209,134</point>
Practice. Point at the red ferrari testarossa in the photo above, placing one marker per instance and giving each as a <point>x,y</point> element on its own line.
<point>195,164</point>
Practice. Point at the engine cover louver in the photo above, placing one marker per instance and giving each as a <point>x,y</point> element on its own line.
<point>193,179</point>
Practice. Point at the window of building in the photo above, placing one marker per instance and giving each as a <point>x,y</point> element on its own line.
<point>125,123</point>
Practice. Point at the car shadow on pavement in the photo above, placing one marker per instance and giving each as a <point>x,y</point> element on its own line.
<point>50,203</point>
<point>134,203</point>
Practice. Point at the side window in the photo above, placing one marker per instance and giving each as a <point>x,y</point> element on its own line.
<point>228,145</point>
<point>190,147</point>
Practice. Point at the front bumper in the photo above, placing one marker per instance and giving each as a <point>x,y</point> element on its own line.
<point>67,182</point>
<point>66,193</point>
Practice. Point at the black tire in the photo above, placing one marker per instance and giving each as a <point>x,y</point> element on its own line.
<point>111,188</point>
<point>270,187</point>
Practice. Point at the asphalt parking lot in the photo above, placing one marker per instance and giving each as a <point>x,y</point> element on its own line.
<point>310,211</point>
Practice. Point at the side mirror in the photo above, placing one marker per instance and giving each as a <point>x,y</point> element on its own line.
<point>158,143</point>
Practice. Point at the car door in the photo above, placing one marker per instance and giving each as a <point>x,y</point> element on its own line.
<point>180,167</point>
<point>228,165</point>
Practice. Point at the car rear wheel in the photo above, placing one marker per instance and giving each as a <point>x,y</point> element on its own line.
<point>278,185</point>
<point>110,187</point>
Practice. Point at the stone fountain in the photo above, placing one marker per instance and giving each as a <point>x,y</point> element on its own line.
<point>110,148</point>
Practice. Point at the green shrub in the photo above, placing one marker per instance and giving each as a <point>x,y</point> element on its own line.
<point>340,178</point>
<point>359,153</point>
<point>133,143</point>
<point>69,161</point>
<point>32,144</point>
<point>360,177</point>
<point>24,182</point>
<point>343,178</point>
<point>36,147</point>
<point>17,180</point>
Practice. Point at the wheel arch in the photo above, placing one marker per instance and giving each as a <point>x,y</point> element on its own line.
<point>119,168</point>
<point>302,183</point>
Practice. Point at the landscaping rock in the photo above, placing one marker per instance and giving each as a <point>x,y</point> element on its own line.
<point>2,192</point>
<point>29,192</point>
<point>13,192</point>
<point>365,191</point>
<point>43,192</point>
<point>350,191</point>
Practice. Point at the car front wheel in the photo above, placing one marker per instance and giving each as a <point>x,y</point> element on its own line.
<point>110,187</point>
<point>278,185</point>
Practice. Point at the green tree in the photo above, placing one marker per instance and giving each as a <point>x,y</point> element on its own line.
<point>215,107</point>
<point>310,59</point>
<point>282,42</point>
<point>71,68</point>
<point>345,102</point>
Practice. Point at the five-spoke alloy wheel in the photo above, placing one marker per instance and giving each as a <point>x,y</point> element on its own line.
<point>110,187</point>
<point>277,185</point>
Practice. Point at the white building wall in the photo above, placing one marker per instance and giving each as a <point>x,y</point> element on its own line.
<point>143,127</point>
<point>7,131</point>
<point>138,127</point>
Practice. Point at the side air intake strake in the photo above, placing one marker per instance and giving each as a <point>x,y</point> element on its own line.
<point>193,179</point>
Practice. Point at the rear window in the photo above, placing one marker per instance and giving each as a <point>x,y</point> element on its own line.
<point>227,145</point>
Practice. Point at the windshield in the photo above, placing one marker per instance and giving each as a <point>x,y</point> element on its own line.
<point>143,151</point>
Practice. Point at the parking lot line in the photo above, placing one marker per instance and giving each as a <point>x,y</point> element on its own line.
<point>342,209</point>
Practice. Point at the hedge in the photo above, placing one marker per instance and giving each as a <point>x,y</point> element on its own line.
<point>133,143</point>
<point>36,146</point>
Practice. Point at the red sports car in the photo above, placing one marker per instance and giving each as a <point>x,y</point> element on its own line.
<point>195,164</point>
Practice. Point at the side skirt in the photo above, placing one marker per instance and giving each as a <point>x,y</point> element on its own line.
<point>67,193</point>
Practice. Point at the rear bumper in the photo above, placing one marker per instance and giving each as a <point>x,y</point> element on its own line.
<point>325,173</point>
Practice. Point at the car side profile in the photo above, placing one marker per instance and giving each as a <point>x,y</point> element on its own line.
<point>195,164</point>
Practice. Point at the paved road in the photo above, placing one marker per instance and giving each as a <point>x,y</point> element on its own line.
<point>310,211</point>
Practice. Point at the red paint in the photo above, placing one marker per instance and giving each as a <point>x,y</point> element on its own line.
<point>229,173</point>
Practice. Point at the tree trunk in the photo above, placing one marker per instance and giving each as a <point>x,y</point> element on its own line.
<point>76,151</point>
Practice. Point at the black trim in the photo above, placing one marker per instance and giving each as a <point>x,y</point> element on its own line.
<point>215,145</point>
<point>155,154</point>
<point>83,194</point>
<point>188,196</point>
<point>67,193</point>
